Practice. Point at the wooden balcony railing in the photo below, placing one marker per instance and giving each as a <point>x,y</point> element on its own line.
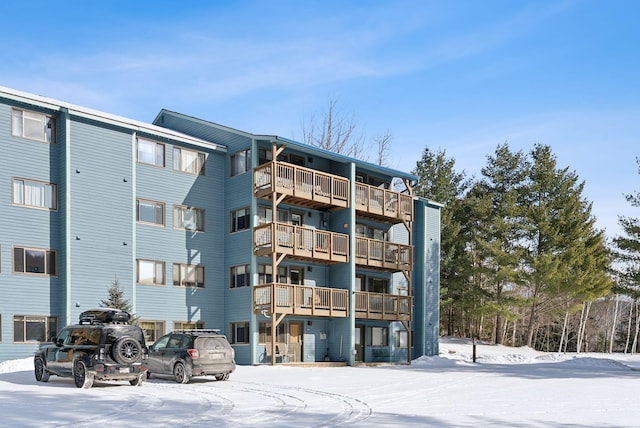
<point>301,300</point>
<point>383,255</point>
<point>379,306</point>
<point>301,242</point>
<point>305,186</point>
<point>383,204</point>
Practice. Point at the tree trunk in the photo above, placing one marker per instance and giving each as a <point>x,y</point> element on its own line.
<point>635,336</point>
<point>584,315</point>
<point>626,345</point>
<point>564,329</point>
<point>613,327</point>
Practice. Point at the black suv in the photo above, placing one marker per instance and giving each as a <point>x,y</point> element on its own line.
<point>187,353</point>
<point>101,347</point>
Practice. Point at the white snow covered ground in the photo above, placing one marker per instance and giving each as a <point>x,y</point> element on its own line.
<point>506,387</point>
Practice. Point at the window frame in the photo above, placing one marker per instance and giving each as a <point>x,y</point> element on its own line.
<point>401,339</point>
<point>283,273</point>
<point>234,274</point>
<point>188,325</point>
<point>178,161</point>
<point>179,215</point>
<point>156,146</point>
<point>234,327</point>
<point>235,165</point>
<point>178,268</point>
<point>156,265</point>
<point>50,327</point>
<point>155,204</point>
<point>384,331</point>
<point>48,254</point>
<point>154,333</point>
<point>264,332</point>
<point>48,121</point>
<point>52,186</point>
<point>235,220</point>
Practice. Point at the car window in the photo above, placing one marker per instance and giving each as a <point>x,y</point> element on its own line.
<point>212,343</point>
<point>83,336</point>
<point>162,342</point>
<point>63,336</point>
<point>177,341</point>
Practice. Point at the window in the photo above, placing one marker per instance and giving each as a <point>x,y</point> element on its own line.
<point>378,336</point>
<point>264,155</point>
<point>150,212</point>
<point>264,214</point>
<point>188,161</point>
<point>264,332</point>
<point>152,330</point>
<point>185,275</point>
<point>188,325</point>
<point>378,285</point>
<point>239,332</point>
<point>32,125</point>
<point>239,276</point>
<point>265,274</point>
<point>34,328</point>
<point>240,219</point>
<point>297,160</point>
<point>34,261</point>
<point>150,152</point>
<point>401,339</point>
<point>240,162</point>
<point>370,232</point>
<point>150,272</point>
<point>36,194</point>
<point>188,218</point>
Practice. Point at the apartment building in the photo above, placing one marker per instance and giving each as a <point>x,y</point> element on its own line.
<point>297,254</point>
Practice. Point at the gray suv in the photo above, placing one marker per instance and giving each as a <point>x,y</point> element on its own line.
<point>101,347</point>
<point>186,353</point>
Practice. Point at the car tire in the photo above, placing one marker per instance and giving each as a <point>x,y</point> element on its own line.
<point>180,373</point>
<point>81,378</point>
<point>40,371</point>
<point>222,377</point>
<point>138,381</point>
<point>126,350</point>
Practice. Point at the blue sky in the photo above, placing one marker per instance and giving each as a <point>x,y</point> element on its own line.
<point>463,76</point>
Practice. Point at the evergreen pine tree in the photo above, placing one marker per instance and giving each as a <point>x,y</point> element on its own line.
<point>117,300</point>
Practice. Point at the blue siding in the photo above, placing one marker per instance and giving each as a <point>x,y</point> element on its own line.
<point>97,238</point>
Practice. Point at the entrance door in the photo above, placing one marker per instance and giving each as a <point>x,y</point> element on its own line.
<point>296,329</point>
<point>359,336</point>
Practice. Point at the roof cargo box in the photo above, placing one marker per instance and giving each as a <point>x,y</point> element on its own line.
<point>104,315</point>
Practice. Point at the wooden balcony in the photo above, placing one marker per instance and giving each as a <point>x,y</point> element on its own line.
<point>301,243</point>
<point>301,186</point>
<point>384,205</point>
<point>383,255</point>
<point>380,306</point>
<point>301,300</point>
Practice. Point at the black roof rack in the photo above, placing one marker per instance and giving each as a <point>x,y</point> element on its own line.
<point>104,316</point>
<point>197,330</point>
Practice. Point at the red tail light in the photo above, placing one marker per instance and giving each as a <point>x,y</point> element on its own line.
<point>193,353</point>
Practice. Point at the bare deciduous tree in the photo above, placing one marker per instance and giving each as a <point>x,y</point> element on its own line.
<point>335,132</point>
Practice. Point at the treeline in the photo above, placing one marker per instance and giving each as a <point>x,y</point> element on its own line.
<point>522,262</point>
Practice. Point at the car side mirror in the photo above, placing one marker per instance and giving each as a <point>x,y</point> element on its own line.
<point>59,342</point>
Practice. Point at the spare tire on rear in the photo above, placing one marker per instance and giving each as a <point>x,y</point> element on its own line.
<point>126,350</point>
